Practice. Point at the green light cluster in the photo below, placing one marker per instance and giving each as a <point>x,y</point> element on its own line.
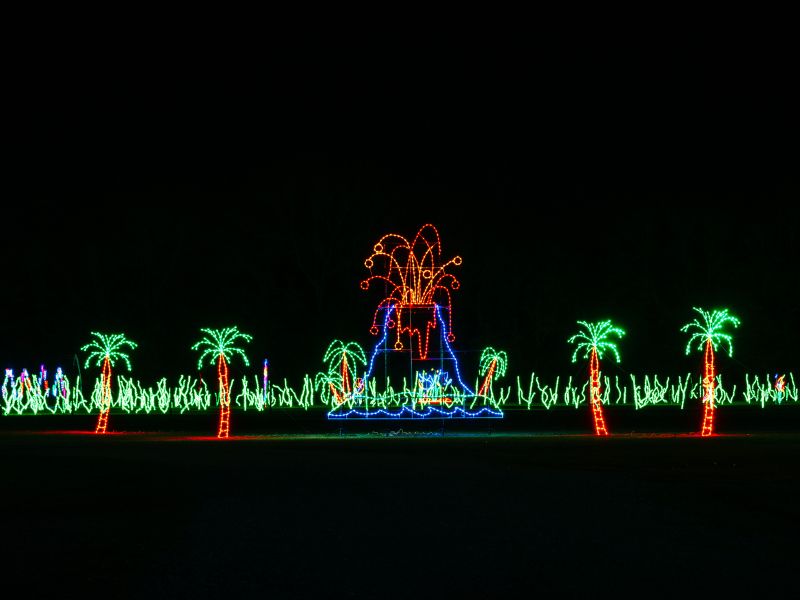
<point>595,337</point>
<point>710,329</point>
<point>339,355</point>
<point>650,391</point>
<point>498,357</point>
<point>107,346</point>
<point>219,342</point>
<point>394,397</point>
<point>190,395</point>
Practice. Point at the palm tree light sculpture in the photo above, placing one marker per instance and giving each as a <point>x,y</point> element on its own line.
<point>218,347</point>
<point>593,342</point>
<point>710,333</point>
<point>105,350</point>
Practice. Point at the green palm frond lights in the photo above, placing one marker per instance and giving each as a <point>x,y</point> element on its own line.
<point>338,350</point>
<point>596,336</point>
<point>108,346</point>
<point>220,342</point>
<point>710,328</point>
<point>490,355</point>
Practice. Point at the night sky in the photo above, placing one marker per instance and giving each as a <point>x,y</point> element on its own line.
<point>576,183</point>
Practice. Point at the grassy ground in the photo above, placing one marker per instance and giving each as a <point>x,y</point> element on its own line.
<point>152,515</point>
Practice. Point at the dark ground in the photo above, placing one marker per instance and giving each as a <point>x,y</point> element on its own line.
<point>155,515</point>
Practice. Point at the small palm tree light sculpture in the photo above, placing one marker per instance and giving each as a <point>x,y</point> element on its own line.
<point>105,351</point>
<point>493,364</point>
<point>218,347</point>
<point>593,342</point>
<point>343,359</point>
<point>709,333</point>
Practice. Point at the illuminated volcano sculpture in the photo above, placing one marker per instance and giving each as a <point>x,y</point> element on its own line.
<point>413,371</point>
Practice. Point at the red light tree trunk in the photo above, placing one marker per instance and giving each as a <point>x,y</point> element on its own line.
<point>224,398</point>
<point>105,396</point>
<point>594,391</point>
<point>345,376</point>
<point>709,383</point>
<point>488,380</point>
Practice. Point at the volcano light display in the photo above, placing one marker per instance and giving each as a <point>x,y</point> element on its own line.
<point>414,323</point>
<point>411,370</point>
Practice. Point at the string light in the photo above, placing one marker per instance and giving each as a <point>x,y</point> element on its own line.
<point>266,377</point>
<point>24,381</point>
<point>218,346</point>
<point>187,395</point>
<point>365,396</point>
<point>593,342</point>
<point>343,360</point>
<point>29,394</point>
<point>9,389</point>
<point>710,333</point>
<point>433,386</point>
<point>105,350</point>
<point>493,363</point>
<point>406,412</point>
<point>43,378</point>
<point>780,386</point>
<point>415,279</point>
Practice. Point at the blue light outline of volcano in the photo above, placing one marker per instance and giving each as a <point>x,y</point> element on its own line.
<point>378,348</point>
<point>485,411</point>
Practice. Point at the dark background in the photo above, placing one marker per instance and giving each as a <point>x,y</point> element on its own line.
<point>156,191</point>
<point>158,194</point>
